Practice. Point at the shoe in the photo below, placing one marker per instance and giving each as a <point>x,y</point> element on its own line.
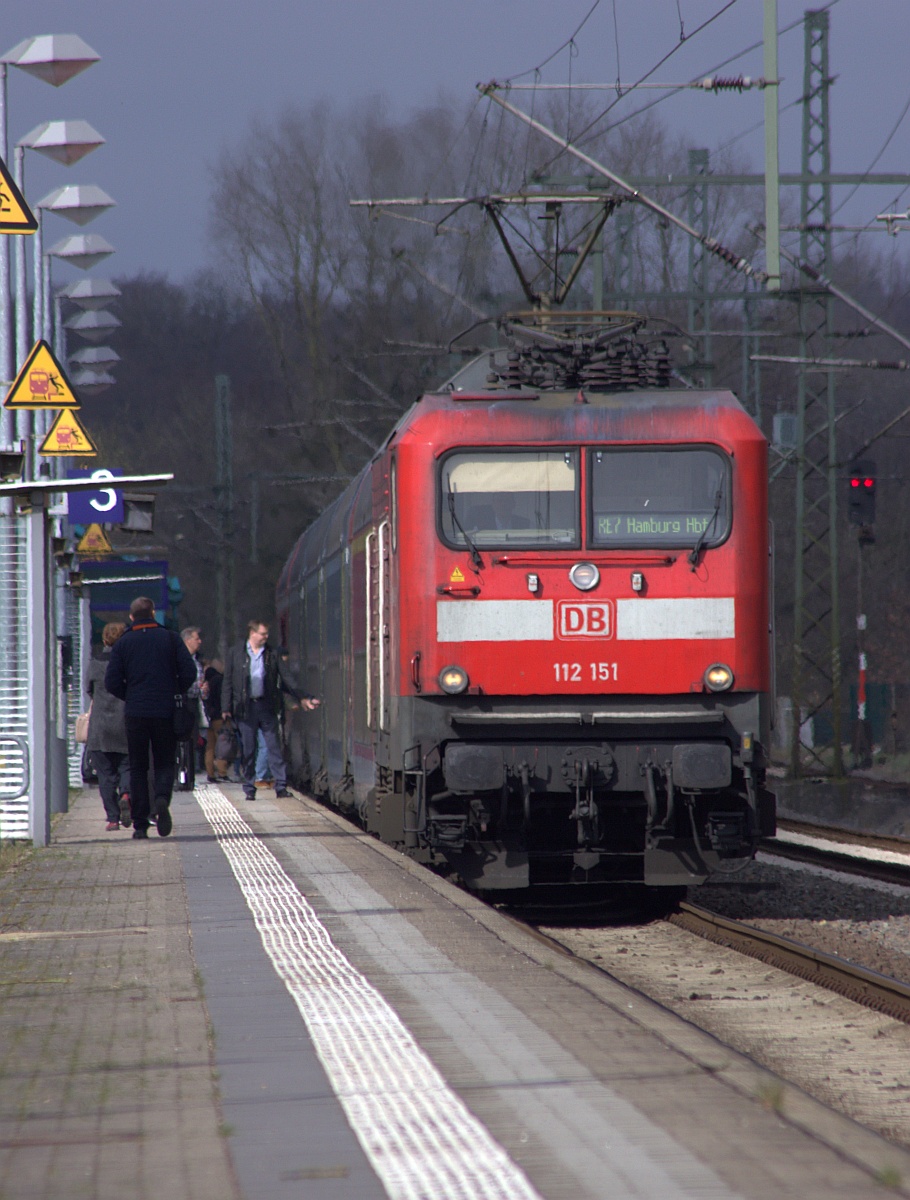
<point>249,795</point>
<point>111,826</point>
<point>140,833</point>
<point>282,794</point>
<point>262,783</point>
<point>165,824</point>
<point>210,779</point>
<point>222,779</point>
<point>126,815</point>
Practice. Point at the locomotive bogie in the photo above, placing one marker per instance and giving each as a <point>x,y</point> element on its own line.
<point>542,638</point>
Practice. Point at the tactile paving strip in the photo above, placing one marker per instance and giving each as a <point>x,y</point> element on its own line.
<point>421,1139</point>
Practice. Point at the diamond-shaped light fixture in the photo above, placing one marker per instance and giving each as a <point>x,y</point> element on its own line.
<point>90,293</point>
<point>91,382</point>
<point>94,326</point>
<point>65,142</point>
<point>79,203</point>
<point>95,358</point>
<point>83,250</point>
<point>53,57</point>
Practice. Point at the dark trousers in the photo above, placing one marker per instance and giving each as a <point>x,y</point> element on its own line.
<point>157,734</point>
<point>113,770</point>
<point>259,716</point>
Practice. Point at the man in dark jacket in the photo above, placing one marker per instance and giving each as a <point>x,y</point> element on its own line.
<point>148,666</point>
<point>252,694</point>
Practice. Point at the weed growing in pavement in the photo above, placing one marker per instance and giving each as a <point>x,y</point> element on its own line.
<point>889,1177</point>
<point>14,855</point>
<point>225,1129</point>
<point>771,1095</point>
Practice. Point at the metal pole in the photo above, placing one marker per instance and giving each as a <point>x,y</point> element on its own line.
<point>58,776</point>
<point>24,420</point>
<point>37,640</point>
<point>7,419</point>
<point>38,265</point>
<point>862,734</point>
<point>224,488</point>
<point>772,181</point>
<point>46,298</point>
<point>21,288</point>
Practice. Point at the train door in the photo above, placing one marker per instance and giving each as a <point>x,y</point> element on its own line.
<point>378,636</point>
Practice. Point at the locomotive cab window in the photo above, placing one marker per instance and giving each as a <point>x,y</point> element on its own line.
<point>509,498</point>
<point>672,496</point>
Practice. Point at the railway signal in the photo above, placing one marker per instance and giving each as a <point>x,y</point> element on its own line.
<point>861,509</point>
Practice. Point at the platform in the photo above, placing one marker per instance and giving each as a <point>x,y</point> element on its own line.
<point>271,1005</point>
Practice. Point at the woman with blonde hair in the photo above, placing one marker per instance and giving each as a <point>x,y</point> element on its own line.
<point>106,742</point>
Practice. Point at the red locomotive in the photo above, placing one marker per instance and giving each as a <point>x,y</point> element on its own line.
<point>539,622</point>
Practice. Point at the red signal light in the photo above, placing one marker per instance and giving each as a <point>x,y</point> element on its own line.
<point>854,482</point>
<point>869,483</point>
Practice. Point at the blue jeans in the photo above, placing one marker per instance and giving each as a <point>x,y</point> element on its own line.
<point>262,757</point>
<point>259,717</point>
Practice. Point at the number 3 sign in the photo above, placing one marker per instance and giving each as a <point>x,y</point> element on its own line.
<point>104,506</point>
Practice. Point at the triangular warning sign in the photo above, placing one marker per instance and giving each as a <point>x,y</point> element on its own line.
<point>41,383</point>
<point>15,214</point>
<point>457,576</point>
<point>67,438</point>
<point>94,541</point>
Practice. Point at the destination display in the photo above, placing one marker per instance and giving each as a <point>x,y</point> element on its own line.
<point>623,526</point>
<point>670,496</point>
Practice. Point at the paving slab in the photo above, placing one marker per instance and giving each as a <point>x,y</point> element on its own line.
<point>269,1004</point>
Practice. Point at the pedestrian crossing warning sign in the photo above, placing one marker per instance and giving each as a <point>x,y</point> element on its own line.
<point>67,438</point>
<point>15,214</point>
<point>94,541</point>
<point>41,383</point>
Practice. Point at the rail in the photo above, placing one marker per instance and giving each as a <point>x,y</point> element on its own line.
<point>860,984</point>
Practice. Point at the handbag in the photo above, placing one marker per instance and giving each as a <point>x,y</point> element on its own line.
<point>225,745</point>
<point>81,731</point>
<point>184,718</point>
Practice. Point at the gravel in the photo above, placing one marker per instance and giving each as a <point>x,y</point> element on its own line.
<point>865,922</point>
<point>848,1056</point>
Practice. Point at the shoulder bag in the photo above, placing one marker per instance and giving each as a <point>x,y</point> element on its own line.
<point>81,731</point>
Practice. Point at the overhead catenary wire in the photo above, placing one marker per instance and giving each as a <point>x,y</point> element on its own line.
<point>711,244</point>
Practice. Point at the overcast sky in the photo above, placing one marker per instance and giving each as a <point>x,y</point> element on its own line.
<point>180,79</point>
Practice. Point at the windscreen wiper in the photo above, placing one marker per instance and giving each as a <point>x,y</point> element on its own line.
<point>475,553</point>
<point>696,549</point>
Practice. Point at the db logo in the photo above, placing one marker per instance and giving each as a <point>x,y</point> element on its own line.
<point>584,618</point>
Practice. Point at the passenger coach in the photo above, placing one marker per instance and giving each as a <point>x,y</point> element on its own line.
<point>539,621</point>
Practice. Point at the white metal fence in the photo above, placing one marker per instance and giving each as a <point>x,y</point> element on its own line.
<point>14,683</point>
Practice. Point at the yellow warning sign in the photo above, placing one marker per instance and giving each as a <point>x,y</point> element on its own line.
<point>94,541</point>
<point>67,438</point>
<point>15,214</point>
<point>41,383</point>
<point>457,576</point>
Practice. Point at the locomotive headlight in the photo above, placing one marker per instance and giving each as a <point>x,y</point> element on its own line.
<point>453,680</point>
<point>585,576</point>
<point>718,678</point>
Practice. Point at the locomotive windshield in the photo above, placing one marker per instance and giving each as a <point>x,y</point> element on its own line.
<point>510,498</point>
<point>674,497</point>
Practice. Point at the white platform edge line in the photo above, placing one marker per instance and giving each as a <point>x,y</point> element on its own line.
<point>419,1136</point>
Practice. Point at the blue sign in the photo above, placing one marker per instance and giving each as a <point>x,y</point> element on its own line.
<point>129,578</point>
<point>104,506</point>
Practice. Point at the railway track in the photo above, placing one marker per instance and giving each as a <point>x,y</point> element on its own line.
<point>886,860</point>
<point>870,988</point>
